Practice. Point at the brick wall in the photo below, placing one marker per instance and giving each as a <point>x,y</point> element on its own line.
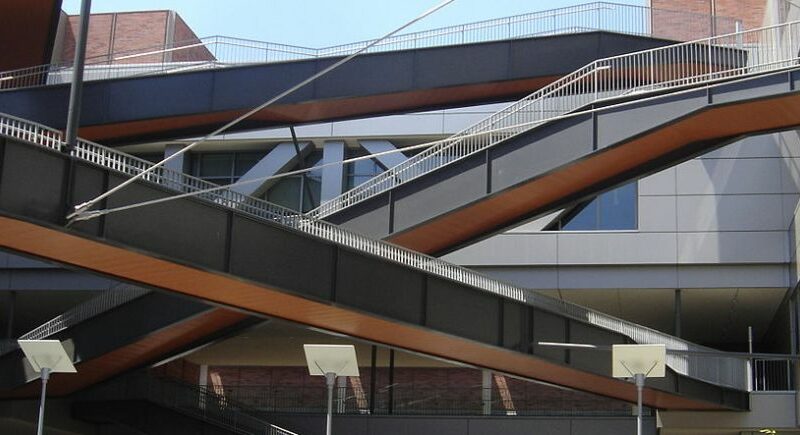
<point>185,36</point>
<point>131,31</point>
<point>695,22</point>
<point>417,389</point>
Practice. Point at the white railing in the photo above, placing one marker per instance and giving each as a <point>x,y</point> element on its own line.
<point>693,63</point>
<point>220,51</point>
<point>722,371</point>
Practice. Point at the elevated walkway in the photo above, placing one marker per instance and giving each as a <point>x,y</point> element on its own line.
<point>588,132</point>
<point>223,250</point>
<point>180,104</point>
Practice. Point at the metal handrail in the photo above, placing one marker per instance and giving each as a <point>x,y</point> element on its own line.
<point>721,370</point>
<point>694,63</point>
<point>106,301</point>
<point>219,51</point>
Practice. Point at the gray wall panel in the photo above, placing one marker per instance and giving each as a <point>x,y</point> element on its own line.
<point>370,218</point>
<point>88,184</point>
<point>518,160</point>
<point>281,258</point>
<point>377,74</point>
<point>591,360</point>
<point>548,327</point>
<point>199,239</point>
<point>760,87</point>
<point>461,65</point>
<point>731,176</point>
<point>463,311</point>
<point>129,99</point>
<point>516,324</point>
<point>615,125</point>
<point>439,192</point>
<point>269,80</point>
<point>379,287</point>
<point>31,182</point>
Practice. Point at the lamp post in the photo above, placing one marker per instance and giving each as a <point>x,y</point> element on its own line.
<point>331,360</point>
<point>638,361</point>
<point>46,357</point>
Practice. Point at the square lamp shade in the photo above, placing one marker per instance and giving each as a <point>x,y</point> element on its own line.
<point>331,358</point>
<point>49,354</point>
<point>631,359</point>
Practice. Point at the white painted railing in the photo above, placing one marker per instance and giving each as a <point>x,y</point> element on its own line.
<point>221,51</point>
<point>699,62</point>
<point>719,370</point>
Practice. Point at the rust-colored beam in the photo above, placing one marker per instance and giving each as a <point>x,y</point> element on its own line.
<point>509,206</point>
<point>54,244</point>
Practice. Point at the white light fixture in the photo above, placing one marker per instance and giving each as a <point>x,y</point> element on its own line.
<point>331,360</point>
<point>638,361</point>
<point>46,356</point>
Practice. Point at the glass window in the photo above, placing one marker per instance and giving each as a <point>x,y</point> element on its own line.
<point>216,165</point>
<point>246,161</point>
<point>612,210</point>
<point>618,208</point>
<point>362,170</point>
<point>286,192</point>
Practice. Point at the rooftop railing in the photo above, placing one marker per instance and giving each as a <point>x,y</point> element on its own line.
<point>221,51</point>
<point>719,370</point>
<point>695,63</point>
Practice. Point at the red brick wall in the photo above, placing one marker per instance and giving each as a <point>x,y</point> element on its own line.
<point>693,25</point>
<point>443,389</point>
<point>99,42</point>
<point>185,36</point>
<point>131,31</point>
<point>140,30</point>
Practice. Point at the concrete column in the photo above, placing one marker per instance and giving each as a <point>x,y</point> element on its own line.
<point>382,146</point>
<point>281,159</point>
<point>486,392</point>
<point>332,176</point>
<point>178,163</point>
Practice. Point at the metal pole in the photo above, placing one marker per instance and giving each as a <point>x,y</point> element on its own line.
<point>75,90</point>
<point>45,376</point>
<point>639,378</point>
<point>330,379</point>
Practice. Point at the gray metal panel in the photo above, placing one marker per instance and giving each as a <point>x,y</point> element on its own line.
<point>758,87</point>
<point>457,65</point>
<point>544,149</point>
<point>281,258</point>
<point>156,228</point>
<point>31,182</point>
<point>516,326</point>
<point>382,146</point>
<point>263,82</point>
<point>129,99</point>
<point>370,218</point>
<point>518,426</point>
<point>372,74</point>
<point>549,327</point>
<point>619,124</point>
<point>333,175</point>
<point>591,360</point>
<point>282,158</point>
<point>463,311</point>
<point>439,192</point>
<point>379,287</point>
<point>89,183</point>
